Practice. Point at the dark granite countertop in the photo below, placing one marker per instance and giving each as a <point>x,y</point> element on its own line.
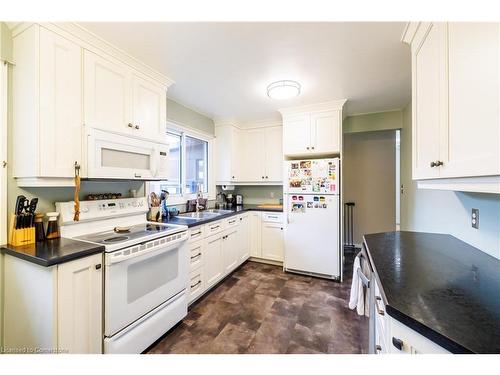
<point>52,252</point>
<point>235,210</point>
<point>441,287</point>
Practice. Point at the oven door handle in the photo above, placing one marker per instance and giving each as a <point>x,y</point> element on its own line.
<point>114,259</point>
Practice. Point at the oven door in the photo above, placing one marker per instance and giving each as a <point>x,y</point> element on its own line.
<point>140,278</point>
<point>117,156</point>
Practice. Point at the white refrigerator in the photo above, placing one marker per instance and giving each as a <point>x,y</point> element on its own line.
<point>312,227</point>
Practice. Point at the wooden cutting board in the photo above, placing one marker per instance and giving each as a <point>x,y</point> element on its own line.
<point>275,206</point>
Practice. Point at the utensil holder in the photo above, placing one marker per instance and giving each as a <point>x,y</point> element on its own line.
<point>22,236</point>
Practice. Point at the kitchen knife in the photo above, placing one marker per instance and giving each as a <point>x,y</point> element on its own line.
<point>19,209</point>
<point>31,210</point>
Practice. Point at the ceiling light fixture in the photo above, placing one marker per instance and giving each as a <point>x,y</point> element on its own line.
<point>283,89</point>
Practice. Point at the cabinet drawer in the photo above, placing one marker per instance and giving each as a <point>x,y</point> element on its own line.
<point>214,227</point>
<point>196,284</point>
<point>231,222</point>
<point>196,256</point>
<point>272,217</point>
<point>197,233</point>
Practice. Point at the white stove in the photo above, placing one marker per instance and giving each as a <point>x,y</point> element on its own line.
<point>146,269</point>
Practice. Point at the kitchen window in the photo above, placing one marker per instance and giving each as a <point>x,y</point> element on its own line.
<point>189,165</point>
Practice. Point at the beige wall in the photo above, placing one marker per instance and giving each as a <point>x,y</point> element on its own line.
<point>373,121</point>
<point>186,116</point>
<point>446,211</point>
<point>369,172</point>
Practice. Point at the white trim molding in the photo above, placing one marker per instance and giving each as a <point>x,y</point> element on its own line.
<point>318,107</point>
<point>409,32</point>
<point>486,184</point>
<point>4,67</point>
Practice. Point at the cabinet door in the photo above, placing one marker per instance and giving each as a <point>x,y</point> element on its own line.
<point>227,154</point>
<point>214,261</point>
<point>79,305</point>
<point>296,134</point>
<point>272,241</point>
<point>60,134</point>
<point>149,108</point>
<point>252,158</point>
<point>256,231</point>
<point>107,101</point>
<point>325,132</point>
<point>472,147</point>
<point>274,154</point>
<point>429,98</point>
<point>244,238</point>
<point>230,250</point>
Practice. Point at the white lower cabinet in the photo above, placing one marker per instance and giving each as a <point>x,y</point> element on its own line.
<point>54,309</point>
<point>214,262</point>
<point>256,234</point>
<point>272,241</point>
<point>230,249</point>
<point>244,238</point>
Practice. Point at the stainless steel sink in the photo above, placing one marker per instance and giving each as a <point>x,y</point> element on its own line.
<point>198,215</point>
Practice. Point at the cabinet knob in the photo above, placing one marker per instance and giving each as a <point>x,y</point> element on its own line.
<point>267,176</point>
<point>137,126</point>
<point>436,163</point>
<point>398,343</point>
<point>232,177</point>
<point>262,177</point>
<point>98,266</point>
<point>307,148</point>
<point>378,348</point>
<point>130,125</point>
<point>312,147</point>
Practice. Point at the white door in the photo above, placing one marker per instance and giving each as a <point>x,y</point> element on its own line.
<point>312,234</point>
<point>79,305</point>
<point>107,94</point>
<point>429,100</point>
<point>214,260</point>
<point>256,234</point>
<point>149,108</point>
<point>252,156</point>
<point>60,105</point>
<point>230,249</point>
<point>473,138</point>
<point>273,138</point>
<point>325,132</point>
<point>244,238</point>
<point>297,134</point>
<point>272,241</point>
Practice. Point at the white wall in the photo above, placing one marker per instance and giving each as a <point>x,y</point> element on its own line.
<point>446,211</point>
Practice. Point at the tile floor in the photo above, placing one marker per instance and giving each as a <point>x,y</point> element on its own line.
<point>261,309</point>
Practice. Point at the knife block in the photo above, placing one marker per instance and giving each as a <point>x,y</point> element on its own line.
<point>20,237</point>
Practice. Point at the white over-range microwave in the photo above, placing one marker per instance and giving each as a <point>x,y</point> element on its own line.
<point>117,156</point>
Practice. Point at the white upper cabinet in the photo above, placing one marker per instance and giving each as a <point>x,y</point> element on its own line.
<point>248,156</point>
<point>107,94</point>
<point>149,108</point>
<point>47,130</point>
<point>473,147</point>
<point>297,134</point>
<point>66,80</point>
<point>314,130</point>
<point>120,99</point>
<point>273,167</point>
<point>429,58</point>
<point>456,103</point>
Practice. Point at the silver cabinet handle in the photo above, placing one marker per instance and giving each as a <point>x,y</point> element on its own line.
<point>195,234</point>
<point>379,310</point>
<point>137,175</point>
<point>196,256</point>
<point>195,285</point>
<point>217,226</point>
<point>232,221</point>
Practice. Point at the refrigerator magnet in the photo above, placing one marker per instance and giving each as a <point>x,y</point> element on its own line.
<point>305,164</point>
<point>309,204</point>
<point>294,166</point>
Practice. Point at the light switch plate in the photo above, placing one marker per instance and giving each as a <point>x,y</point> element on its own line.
<point>475,218</point>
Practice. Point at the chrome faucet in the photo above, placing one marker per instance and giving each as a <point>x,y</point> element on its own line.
<point>199,195</point>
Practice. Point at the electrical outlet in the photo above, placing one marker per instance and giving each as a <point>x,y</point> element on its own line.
<point>475,218</point>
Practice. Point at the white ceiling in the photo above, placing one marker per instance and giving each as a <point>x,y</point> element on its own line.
<point>222,69</point>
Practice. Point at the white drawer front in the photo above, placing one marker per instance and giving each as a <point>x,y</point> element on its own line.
<point>196,285</point>
<point>214,227</point>
<point>196,256</point>
<point>272,217</point>
<point>197,233</point>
